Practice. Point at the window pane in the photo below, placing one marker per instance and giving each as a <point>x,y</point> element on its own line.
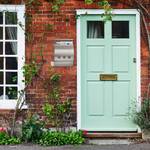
<point>120,29</point>
<point>11,63</point>
<point>1,92</point>
<point>11,77</point>
<point>1,77</point>
<point>1,62</point>
<point>11,48</point>
<point>1,18</point>
<point>1,48</point>
<point>11,33</point>
<point>11,92</point>
<point>11,17</point>
<point>1,33</point>
<point>95,29</point>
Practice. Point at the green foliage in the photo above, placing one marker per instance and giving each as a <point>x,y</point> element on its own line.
<point>59,2</point>
<point>64,107</point>
<point>56,4</point>
<point>32,3</point>
<point>108,10</point>
<point>57,113</point>
<point>55,8</point>
<point>61,138</point>
<point>55,78</point>
<point>142,118</point>
<point>48,110</point>
<point>54,94</point>
<point>103,3</point>
<point>32,128</point>
<point>30,70</point>
<point>5,139</point>
<point>88,1</point>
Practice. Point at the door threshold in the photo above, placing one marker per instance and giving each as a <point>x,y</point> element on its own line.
<point>119,135</point>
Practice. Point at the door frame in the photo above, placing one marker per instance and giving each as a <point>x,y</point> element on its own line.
<point>138,56</point>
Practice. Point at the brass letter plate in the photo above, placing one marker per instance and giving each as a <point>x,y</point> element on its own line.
<point>108,77</point>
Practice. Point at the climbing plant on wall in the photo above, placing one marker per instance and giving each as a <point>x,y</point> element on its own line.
<point>55,5</point>
<point>55,8</point>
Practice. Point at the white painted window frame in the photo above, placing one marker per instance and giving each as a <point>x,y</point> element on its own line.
<point>20,9</point>
<point>138,56</point>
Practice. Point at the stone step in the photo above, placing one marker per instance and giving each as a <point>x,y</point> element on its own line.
<point>127,135</point>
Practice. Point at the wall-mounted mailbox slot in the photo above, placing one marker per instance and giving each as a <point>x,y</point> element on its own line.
<point>108,77</point>
<point>63,53</point>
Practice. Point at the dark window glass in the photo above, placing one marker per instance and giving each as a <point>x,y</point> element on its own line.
<point>1,18</point>
<point>95,29</point>
<point>1,77</point>
<point>120,29</point>
<point>11,93</point>
<point>1,48</point>
<point>1,33</point>
<point>11,77</point>
<point>1,92</point>
<point>1,62</point>
<point>11,48</point>
<point>11,33</point>
<point>11,17</point>
<point>11,63</point>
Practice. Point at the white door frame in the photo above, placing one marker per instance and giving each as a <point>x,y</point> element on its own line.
<point>138,56</point>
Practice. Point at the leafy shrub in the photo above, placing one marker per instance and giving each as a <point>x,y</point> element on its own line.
<point>142,118</point>
<point>29,71</point>
<point>75,138</point>
<point>32,128</point>
<point>61,138</point>
<point>5,139</point>
<point>57,112</point>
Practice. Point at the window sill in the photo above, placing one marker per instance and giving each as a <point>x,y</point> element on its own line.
<point>10,104</point>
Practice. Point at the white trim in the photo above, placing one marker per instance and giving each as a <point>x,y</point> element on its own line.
<point>100,11</point>
<point>16,8</point>
<point>138,55</point>
<point>20,9</point>
<point>78,75</point>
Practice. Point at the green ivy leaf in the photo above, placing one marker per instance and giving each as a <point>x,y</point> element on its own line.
<point>59,2</point>
<point>55,8</point>
<point>88,2</point>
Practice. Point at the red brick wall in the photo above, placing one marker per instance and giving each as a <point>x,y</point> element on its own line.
<point>59,32</point>
<point>62,30</point>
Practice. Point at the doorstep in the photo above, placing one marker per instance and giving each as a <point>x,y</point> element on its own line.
<point>109,141</point>
<point>118,135</point>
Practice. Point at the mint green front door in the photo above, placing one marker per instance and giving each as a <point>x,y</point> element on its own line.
<point>108,48</point>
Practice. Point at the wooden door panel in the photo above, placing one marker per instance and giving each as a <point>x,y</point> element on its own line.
<point>95,98</point>
<point>120,58</point>
<point>121,97</point>
<point>95,57</point>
